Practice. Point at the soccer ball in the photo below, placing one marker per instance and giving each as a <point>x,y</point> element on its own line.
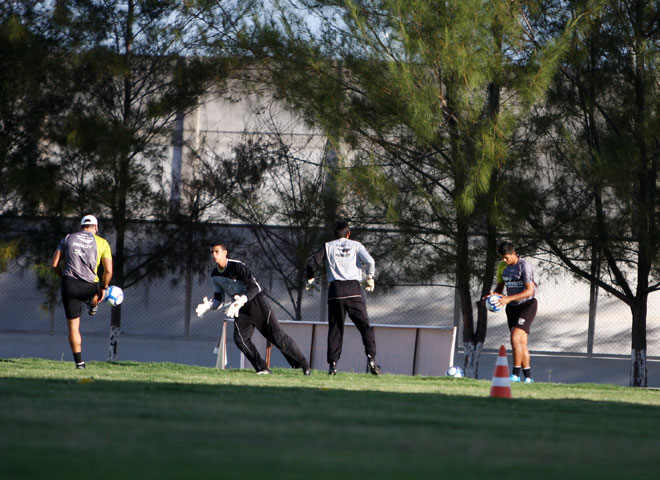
<point>491,303</point>
<point>455,372</point>
<point>114,295</point>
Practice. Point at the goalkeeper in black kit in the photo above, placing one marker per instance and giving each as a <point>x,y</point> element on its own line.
<point>248,304</point>
<point>344,261</point>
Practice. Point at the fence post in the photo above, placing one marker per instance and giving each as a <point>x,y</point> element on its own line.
<point>221,348</point>
<point>189,285</point>
<point>457,315</point>
<point>323,307</point>
<point>593,303</point>
<point>593,300</point>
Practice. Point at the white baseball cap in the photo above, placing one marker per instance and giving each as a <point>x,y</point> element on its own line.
<point>89,220</point>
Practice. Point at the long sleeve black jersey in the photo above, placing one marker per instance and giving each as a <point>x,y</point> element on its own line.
<point>235,279</point>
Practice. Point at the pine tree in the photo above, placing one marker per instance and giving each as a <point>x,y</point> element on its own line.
<point>601,136</point>
<point>136,72</point>
<point>426,95</point>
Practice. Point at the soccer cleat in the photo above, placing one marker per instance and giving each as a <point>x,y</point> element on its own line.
<point>529,380</point>
<point>92,310</point>
<point>265,371</point>
<point>372,366</point>
<point>80,366</point>
<point>514,378</point>
<point>307,371</point>
<point>332,370</point>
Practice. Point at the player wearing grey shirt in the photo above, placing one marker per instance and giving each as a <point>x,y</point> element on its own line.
<point>517,275</point>
<point>345,260</point>
<point>77,259</point>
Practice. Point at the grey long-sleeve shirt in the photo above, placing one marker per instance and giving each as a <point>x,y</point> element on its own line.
<point>344,259</point>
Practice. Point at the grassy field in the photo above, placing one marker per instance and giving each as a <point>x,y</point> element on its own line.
<point>162,421</point>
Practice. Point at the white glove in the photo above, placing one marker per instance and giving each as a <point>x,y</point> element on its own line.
<point>310,284</point>
<point>369,284</point>
<point>239,301</point>
<point>204,307</point>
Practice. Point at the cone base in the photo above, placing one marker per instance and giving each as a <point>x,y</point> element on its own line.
<point>500,392</point>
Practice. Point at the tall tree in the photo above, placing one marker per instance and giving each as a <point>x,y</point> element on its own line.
<point>137,73</point>
<point>426,94</point>
<point>598,206</point>
<point>33,83</point>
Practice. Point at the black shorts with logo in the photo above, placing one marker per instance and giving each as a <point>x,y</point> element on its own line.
<point>521,316</point>
<point>74,292</point>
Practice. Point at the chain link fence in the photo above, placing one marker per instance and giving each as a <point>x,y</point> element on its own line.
<point>166,308</point>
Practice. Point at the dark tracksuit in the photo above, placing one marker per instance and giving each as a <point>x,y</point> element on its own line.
<point>236,279</point>
<point>343,260</point>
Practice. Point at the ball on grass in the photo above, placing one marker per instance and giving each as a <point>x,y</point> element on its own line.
<point>456,372</point>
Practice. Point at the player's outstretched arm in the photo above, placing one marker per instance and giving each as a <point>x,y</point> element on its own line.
<point>204,307</point>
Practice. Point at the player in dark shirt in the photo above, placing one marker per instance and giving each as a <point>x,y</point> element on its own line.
<point>234,281</point>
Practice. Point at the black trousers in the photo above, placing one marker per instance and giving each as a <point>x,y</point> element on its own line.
<point>258,314</point>
<point>347,298</point>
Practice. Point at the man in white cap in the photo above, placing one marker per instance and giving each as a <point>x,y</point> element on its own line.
<point>76,260</point>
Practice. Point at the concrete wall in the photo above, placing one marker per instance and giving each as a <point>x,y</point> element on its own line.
<point>406,350</point>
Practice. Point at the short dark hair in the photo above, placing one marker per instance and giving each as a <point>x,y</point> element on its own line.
<point>506,248</point>
<point>220,244</point>
<point>341,228</point>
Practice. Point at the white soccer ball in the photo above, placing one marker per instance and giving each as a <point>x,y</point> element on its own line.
<point>114,295</point>
<point>455,372</point>
<point>491,303</point>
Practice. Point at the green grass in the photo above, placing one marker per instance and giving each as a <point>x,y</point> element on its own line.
<point>163,421</point>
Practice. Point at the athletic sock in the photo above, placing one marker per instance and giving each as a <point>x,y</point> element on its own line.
<point>527,372</point>
<point>516,371</point>
<point>77,357</point>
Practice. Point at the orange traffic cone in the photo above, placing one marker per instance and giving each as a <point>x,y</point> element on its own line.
<point>501,386</point>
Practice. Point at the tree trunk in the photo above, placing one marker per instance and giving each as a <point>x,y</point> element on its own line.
<point>472,356</point>
<point>644,215</point>
<point>471,346</point>
<point>118,279</point>
<point>119,213</point>
<point>638,374</point>
<point>115,321</point>
<point>478,336</point>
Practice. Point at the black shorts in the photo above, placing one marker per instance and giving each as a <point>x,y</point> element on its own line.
<point>521,316</point>
<point>74,292</point>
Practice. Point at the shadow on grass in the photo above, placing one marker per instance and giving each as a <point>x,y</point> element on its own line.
<point>144,420</point>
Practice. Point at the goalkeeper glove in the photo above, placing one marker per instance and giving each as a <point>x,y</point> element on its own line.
<point>369,284</point>
<point>239,301</point>
<point>310,284</point>
<point>204,307</point>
